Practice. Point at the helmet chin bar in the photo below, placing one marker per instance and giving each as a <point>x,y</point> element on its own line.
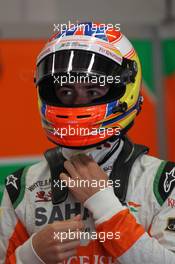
<point>111,139</point>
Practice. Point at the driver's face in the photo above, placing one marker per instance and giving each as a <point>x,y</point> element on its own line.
<point>80,93</point>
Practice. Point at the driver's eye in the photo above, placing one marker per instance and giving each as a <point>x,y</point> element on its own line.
<point>66,92</point>
<point>93,93</point>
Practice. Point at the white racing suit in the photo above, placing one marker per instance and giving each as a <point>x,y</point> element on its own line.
<point>144,227</point>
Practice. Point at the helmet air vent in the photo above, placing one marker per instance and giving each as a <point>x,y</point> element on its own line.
<point>83,116</point>
<point>62,116</point>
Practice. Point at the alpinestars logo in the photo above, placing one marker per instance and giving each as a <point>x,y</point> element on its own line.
<point>170,178</point>
<point>11,180</point>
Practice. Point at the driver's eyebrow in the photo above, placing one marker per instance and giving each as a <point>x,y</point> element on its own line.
<point>91,86</point>
<point>66,86</point>
<point>88,86</point>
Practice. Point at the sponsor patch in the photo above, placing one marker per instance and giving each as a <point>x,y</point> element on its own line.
<point>45,184</point>
<point>171,225</point>
<point>44,215</point>
<point>171,202</point>
<point>164,181</point>
<point>43,196</point>
<point>12,180</point>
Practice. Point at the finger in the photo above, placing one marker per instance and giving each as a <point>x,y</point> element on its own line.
<point>85,159</point>
<point>88,162</point>
<point>68,181</point>
<point>90,156</point>
<point>79,165</point>
<point>69,225</point>
<point>71,169</point>
<point>77,217</point>
<point>64,178</point>
<point>67,236</point>
<point>76,159</point>
<point>65,255</point>
<point>63,247</point>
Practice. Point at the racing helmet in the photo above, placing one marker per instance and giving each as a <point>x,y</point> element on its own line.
<point>101,56</point>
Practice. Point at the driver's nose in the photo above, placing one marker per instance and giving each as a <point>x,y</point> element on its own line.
<point>81,100</point>
<point>81,97</point>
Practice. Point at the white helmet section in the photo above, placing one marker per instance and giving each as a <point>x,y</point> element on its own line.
<point>115,50</point>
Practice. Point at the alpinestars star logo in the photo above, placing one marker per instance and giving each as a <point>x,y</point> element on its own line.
<point>170,177</point>
<point>11,179</point>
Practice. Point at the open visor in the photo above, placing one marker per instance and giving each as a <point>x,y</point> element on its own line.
<point>101,74</point>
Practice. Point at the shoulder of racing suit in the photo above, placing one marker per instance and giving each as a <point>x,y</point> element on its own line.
<point>147,193</point>
<point>26,177</point>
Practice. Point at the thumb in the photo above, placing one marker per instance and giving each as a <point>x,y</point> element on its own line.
<point>77,217</point>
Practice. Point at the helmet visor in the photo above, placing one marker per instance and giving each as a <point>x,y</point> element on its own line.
<point>77,77</point>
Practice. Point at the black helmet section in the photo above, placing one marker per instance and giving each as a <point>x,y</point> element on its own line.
<point>129,71</point>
